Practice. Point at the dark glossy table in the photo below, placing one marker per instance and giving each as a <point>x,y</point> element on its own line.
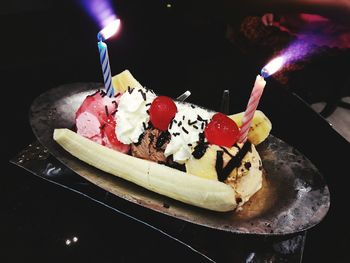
<point>45,222</point>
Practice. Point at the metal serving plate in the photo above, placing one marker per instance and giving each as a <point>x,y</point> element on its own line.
<point>294,196</point>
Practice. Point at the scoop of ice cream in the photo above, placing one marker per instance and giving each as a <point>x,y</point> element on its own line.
<point>99,105</point>
<point>95,120</point>
<point>188,123</point>
<point>88,125</point>
<point>151,145</point>
<point>132,116</point>
<point>246,179</point>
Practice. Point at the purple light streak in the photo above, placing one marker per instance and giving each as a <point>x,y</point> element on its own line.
<point>100,10</point>
<point>296,51</point>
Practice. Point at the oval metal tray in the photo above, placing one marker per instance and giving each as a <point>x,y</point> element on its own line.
<point>294,196</point>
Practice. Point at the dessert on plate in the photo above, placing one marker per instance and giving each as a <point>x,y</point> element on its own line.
<point>174,148</point>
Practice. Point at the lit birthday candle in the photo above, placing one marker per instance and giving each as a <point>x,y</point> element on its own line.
<point>103,35</point>
<point>272,67</point>
<point>256,94</point>
<point>251,107</point>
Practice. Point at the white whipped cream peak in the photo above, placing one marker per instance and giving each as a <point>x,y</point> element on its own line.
<point>184,130</point>
<point>132,117</point>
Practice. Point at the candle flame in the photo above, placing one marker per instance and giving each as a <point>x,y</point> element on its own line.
<point>110,30</point>
<point>272,67</point>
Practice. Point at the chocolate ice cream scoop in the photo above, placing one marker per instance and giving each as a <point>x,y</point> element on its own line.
<point>151,145</point>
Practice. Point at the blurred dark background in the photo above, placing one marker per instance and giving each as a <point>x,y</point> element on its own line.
<point>169,46</point>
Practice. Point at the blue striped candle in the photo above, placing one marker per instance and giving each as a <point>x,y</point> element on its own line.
<point>106,70</point>
<point>111,29</point>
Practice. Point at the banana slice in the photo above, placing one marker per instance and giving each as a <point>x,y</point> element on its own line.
<point>205,193</point>
<point>245,179</point>
<point>260,127</point>
<point>123,80</point>
<point>205,166</point>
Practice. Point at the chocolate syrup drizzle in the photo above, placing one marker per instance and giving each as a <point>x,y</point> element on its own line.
<point>219,165</point>
<point>200,148</point>
<point>223,172</point>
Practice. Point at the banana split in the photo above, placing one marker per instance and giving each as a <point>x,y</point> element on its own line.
<point>186,152</point>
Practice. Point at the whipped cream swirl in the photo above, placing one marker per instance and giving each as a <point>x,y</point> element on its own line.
<point>132,117</point>
<point>184,129</point>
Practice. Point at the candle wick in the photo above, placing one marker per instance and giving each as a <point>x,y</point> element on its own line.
<point>264,73</point>
<point>100,37</point>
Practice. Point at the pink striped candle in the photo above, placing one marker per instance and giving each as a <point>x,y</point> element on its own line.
<point>251,107</point>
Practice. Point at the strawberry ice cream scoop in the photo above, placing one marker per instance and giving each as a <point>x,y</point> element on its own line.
<point>88,125</point>
<point>95,120</point>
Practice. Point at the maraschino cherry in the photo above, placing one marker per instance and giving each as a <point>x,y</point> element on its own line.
<point>162,111</point>
<point>222,131</point>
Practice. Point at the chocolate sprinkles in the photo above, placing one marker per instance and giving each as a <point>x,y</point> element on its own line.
<point>106,110</point>
<point>143,94</point>
<point>144,125</point>
<point>162,139</point>
<point>186,131</point>
<point>200,118</point>
<point>130,90</point>
<point>148,90</point>
<point>93,94</point>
